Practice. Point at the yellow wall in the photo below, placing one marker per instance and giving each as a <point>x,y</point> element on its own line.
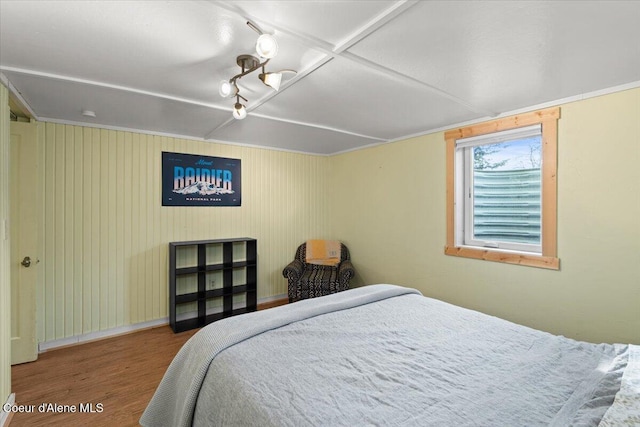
<point>5,289</point>
<point>395,227</point>
<point>104,260</point>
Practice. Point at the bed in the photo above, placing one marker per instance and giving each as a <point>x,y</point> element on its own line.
<point>386,355</point>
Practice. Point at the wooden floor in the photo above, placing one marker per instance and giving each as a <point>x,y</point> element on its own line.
<point>119,373</point>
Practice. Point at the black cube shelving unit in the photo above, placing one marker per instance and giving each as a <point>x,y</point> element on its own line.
<point>195,300</point>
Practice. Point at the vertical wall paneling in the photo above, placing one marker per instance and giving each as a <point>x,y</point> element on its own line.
<point>137,274</point>
<point>111,267</point>
<point>86,229</point>
<point>49,229</point>
<point>77,225</point>
<point>69,226</point>
<point>127,148</point>
<point>5,287</point>
<point>106,231</point>
<point>94,249</point>
<point>59,233</point>
<point>40,290</point>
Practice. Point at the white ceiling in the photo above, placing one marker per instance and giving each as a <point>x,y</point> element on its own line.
<point>368,71</point>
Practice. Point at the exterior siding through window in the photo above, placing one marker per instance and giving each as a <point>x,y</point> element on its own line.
<point>507,205</point>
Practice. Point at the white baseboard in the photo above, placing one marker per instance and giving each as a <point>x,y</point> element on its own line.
<point>272,298</point>
<point>92,336</point>
<point>4,416</point>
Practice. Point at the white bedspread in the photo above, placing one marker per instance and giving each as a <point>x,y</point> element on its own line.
<point>379,356</point>
<point>174,400</point>
<point>625,410</point>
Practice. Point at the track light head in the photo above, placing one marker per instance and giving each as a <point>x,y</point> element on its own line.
<point>239,111</point>
<point>227,89</point>
<point>267,46</point>
<point>272,80</point>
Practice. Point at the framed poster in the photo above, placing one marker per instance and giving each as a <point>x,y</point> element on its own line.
<point>193,180</point>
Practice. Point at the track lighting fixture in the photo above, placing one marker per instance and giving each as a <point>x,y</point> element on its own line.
<point>266,48</point>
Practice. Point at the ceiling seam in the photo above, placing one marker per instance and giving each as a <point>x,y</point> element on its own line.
<point>317,126</point>
<point>375,24</point>
<point>314,125</point>
<point>392,73</point>
<point>176,136</point>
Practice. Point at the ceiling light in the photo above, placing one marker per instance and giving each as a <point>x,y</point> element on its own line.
<point>89,113</point>
<point>239,111</point>
<point>271,79</point>
<point>267,48</point>
<point>226,89</point>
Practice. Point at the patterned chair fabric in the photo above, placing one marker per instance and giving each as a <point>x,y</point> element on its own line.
<point>311,280</point>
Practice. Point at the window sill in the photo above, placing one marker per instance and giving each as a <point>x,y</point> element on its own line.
<point>539,261</point>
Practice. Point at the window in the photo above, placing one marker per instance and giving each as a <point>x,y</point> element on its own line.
<point>501,190</point>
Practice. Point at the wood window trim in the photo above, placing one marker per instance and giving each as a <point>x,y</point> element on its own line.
<point>548,118</point>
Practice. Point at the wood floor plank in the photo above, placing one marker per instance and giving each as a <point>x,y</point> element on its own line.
<point>120,373</point>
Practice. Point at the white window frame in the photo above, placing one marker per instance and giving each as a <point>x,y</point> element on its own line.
<point>464,188</point>
<point>547,121</point>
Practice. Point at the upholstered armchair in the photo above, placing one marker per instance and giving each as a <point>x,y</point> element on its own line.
<point>308,280</point>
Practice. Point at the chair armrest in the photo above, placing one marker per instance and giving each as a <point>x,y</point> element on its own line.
<point>293,270</point>
<point>345,271</point>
